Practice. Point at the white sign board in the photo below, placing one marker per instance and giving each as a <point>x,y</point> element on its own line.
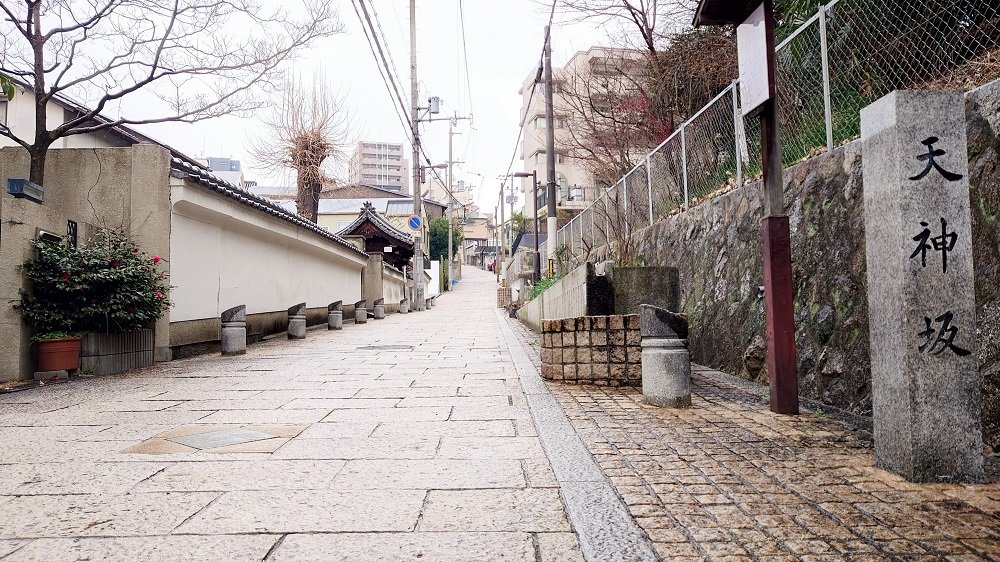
<point>751,44</point>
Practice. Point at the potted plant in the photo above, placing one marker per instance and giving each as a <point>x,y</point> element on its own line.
<point>52,306</point>
<point>110,290</point>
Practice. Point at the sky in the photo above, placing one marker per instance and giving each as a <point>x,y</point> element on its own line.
<point>504,44</point>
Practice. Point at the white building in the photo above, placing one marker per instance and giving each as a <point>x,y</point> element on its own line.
<point>380,164</point>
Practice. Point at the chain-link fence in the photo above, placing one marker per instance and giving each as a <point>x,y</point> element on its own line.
<point>849,54</point>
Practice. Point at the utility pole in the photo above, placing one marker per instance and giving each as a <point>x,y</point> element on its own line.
<point>550,153</point>
<point>503,229</point>
<point>418,252</point>
<point>451,198</point>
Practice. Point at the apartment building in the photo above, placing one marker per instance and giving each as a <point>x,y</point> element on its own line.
<point>380,164</point>
<point>576,187</point>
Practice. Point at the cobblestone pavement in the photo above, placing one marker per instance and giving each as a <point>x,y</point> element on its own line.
<point>728,480</point>
<point>347,445</point>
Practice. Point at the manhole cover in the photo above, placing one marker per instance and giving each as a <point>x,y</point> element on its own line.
<point>387,347</point>
<point>222,438</point>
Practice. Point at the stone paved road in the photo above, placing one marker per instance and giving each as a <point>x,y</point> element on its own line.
<point>728,480</point>
<point>429,437</point>
<point>348,445</point>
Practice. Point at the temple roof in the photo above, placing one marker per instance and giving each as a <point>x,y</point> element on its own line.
<point>369,214</point>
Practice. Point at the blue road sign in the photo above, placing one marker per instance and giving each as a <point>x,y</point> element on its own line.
<point>414,222</point>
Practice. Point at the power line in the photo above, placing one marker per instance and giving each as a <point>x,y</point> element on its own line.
<point>390,85</point>
<point>465,55</point>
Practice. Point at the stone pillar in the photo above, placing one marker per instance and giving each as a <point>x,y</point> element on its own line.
<point>297,322</point>
<point>404,306</point>
<point>335,316</point>
<point>380,309</point>
<point>360,312</point>
<point>430,301</point>
<point>234,330</point>
<point>666,363</point>
<point>921,295</point>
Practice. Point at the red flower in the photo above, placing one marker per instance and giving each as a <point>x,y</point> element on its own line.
<point>156,259</point>
<point>114,264</point>
<point>64,276</point>
<point>159,295</point>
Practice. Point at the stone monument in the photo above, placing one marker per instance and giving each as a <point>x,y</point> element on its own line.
<point>297,322</point>
<point>921,296</point>
<point>360,312</point>
<point>666,362</point>
<point>404,306</point>
<point>379,309</point>
<point>234,330</point>
<point>335,316</point>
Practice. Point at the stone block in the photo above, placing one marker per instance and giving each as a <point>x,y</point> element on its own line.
<point>616,322</point>
<point>551,325</point>
<point>545,355</point>
<point>569,324</point>
<point>568,355</point>
<point>617,354</point>
<point>633,354</point>
<point>233,338</point>
<point>584,372</point>
<point>661,323</point>
<point>569,372</point>
<point>632,337</point>
<point>335,315</point>
<point>632,322</point>
<point>404,306</point>
<point>926,399</point>
<point>666,372</point>
<point>598,338</point>
<point>616,337</point>
<point>360,312</point>
<point>297,322</point>
<point>583,355</point>
<point>583,338</point>
<point>616,372</point>
<point>379,309</point>
<point>568,339</point>
<point>551,372</point>
<point>599,323</point>
<point>599,354</point>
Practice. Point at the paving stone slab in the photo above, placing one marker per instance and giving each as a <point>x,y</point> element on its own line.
<point>304,511</point>
<point>84,478</point>
<point>531,510</point>
<point>389,415</point>
<point>222,476</point>
<point>148,549</point>
<point>360,448</point>
<point>428,547</point>
<point>491,448</point>
<point>436,474</point>
<point>99,515</point>
<point>492,428</point>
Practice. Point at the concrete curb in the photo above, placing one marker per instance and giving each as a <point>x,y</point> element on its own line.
<point>602,522</point>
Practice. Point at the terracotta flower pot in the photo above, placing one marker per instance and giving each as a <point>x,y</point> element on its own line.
<point>58,355</point>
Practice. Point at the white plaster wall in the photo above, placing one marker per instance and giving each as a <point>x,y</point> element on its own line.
<point>392,286</point>
<point>223,254</point>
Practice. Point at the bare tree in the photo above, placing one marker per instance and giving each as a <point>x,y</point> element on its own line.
<point>307,131</point>
<point>201,58</point>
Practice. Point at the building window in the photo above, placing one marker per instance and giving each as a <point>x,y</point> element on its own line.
<point>3,112</point>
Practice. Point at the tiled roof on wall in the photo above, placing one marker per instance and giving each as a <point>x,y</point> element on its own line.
<point>184,169</point>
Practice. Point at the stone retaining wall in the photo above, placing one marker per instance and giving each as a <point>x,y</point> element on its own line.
<point>601,350</point>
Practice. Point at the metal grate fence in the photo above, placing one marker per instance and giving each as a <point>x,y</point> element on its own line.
<point>849,54</point>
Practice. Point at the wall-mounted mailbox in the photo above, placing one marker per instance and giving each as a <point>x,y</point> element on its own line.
<point>22,188</point>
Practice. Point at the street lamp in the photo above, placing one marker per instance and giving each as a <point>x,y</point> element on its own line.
<point>537,273</point>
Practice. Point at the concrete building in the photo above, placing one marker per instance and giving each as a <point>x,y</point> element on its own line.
<point>227,169</point>
<point>576,188</point>
<point>380,164</point>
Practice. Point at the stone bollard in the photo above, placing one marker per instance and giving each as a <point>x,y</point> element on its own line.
<point>360,313</point>
<point>430,301</point>
<point>666,363</point>
<point>335,316</point>
<point>234,330</point>
<point>297,322</point>
<point>380,309</point>
<point>404,306</point>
